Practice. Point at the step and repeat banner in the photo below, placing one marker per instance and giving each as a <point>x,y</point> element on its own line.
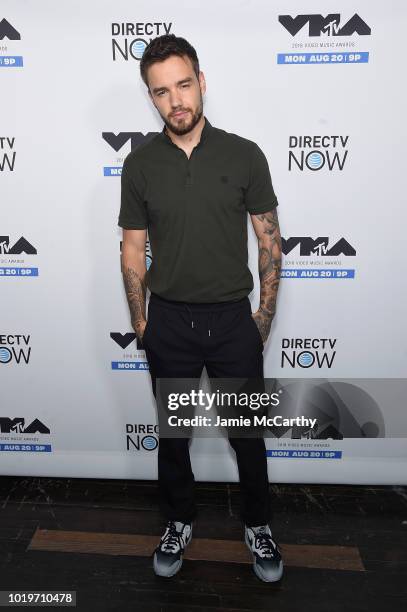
<point>320,87</point>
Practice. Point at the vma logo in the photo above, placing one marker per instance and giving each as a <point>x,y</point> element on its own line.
<point>323,256</point>
<point>117,142</point>
<point>307,352</point>
<point>124,340</point>
<point>17,425</point>
<point>21,246</point>
<point>130,360</point>
<point>317,246</point>
<point>8,31</point>
<point>329,25</point>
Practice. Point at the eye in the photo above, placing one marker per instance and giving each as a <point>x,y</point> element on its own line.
<point>185,85</point>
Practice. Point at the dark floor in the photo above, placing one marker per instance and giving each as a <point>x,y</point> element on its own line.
<point>345,547</point>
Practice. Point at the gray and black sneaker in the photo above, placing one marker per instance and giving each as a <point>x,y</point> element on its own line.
<point>168,554</point>
<point>267,561</point>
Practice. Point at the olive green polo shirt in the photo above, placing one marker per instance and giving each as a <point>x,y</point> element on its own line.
<point>195,211</point>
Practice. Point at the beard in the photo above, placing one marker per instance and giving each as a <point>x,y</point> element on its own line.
<point>186,124</point>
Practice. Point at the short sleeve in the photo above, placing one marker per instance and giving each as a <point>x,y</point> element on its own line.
<point>260,196</point>
<point>133,211</point>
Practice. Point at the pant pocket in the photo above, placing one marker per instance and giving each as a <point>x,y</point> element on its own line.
<point>148,324</point>
<point>256,329</point>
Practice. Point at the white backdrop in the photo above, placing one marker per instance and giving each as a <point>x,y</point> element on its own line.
<point>77,398</point>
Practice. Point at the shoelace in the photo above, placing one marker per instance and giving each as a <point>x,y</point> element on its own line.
<point>264,543</point>
<point>172,539</point>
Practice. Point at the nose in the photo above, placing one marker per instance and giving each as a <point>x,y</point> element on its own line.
<point>175,99</point>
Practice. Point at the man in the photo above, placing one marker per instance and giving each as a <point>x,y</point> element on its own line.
<point>192,186</point>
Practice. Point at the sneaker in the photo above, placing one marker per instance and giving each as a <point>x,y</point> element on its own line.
<point>168,554</point>
<point>267,561</point>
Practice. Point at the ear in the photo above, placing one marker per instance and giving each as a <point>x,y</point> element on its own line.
<point>202,82</point>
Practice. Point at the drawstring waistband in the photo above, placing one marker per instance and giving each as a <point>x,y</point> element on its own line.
<point>192,320</point>
<point>202,308</point>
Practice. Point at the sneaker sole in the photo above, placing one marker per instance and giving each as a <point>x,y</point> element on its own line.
<point>174,569</point>
<point>257,570</point>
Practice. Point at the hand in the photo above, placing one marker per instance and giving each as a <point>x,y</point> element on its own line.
<point>263,323</point>
<point>139,328</point>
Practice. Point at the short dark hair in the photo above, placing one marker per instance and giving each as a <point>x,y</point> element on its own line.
<point>162,47</point>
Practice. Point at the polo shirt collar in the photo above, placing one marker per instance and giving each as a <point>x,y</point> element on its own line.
<point>204,134</point>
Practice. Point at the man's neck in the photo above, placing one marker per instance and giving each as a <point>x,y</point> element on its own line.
<point>188,141</point>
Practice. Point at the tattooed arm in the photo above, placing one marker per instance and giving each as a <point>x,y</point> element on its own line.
<point>268,233</point>
<point>134,273</point>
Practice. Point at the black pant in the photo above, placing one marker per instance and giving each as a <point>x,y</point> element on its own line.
<point>179,340</point>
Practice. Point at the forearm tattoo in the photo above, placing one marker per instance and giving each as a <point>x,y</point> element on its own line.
<point>136,296</point>
<point>269,269</point>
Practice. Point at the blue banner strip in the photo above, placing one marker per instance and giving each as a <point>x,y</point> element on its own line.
<point>129,365</point>
<point>18,271</point>
<point>27,448</point>
<point>301,454</point>
<point>296,59</point>
<point>11,61</point>
<point>112,171</point>
<point>317,273</point>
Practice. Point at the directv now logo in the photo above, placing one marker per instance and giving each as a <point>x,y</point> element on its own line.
<point>9,32</point>
<point>129,40</point>
<point>317,152</point>
<point>308,352</point>
<point>7,154</point>
<point>141,436</point>
<point>120,140</point>
<point>14,348</point>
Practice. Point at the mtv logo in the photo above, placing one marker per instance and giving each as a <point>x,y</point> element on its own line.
<point>7,31</point>
<point>117,141</point>
<point>317,24</point>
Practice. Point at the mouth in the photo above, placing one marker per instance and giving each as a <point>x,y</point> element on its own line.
<point>179,115</point>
